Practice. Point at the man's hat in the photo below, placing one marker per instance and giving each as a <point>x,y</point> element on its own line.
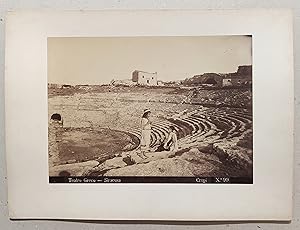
<point>147,111</point>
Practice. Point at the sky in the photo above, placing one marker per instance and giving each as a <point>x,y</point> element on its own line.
<point>99,60</point>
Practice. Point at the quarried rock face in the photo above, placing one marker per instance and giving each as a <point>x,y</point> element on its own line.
<point>54,137</point>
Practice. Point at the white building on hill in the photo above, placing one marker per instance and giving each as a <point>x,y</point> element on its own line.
<point>144,78</point>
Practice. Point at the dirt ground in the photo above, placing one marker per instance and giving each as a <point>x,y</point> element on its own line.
<point>79,145</point>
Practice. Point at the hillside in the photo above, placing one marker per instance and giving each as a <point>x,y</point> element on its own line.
<point>243,72</point>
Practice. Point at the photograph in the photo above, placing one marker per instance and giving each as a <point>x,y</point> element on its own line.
<point>143,109</point>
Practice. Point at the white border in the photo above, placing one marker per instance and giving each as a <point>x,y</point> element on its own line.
<point>31,196</point>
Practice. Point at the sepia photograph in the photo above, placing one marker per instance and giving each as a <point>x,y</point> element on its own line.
<point>163,111</point>
<point>169,109</point>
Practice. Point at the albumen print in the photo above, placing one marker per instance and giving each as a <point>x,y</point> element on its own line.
<point>150,109</point>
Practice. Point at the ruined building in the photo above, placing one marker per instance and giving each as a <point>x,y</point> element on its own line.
<point>144,78</point>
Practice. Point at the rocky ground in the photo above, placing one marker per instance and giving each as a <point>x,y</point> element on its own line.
<point>99,133</point>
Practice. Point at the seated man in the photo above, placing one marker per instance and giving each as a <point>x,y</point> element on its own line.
<point>170,144</point>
